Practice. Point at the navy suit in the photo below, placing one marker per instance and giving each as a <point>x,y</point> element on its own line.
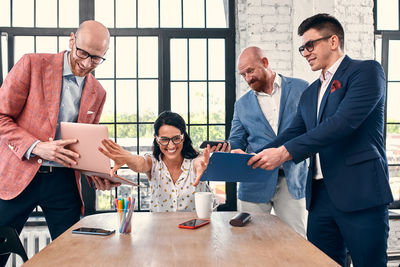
<point>348,208</point>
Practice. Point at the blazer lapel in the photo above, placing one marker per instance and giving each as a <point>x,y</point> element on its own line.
<point>88,109</point>
<point>285,91</point>
<point>254,103</point>
<point>52,83</point>
<point>314,103</point>
<point>339,72</point>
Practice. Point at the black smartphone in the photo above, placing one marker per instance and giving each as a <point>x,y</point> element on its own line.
<point>211,143</point>
<point>92,231</point>
<point>193,224</point>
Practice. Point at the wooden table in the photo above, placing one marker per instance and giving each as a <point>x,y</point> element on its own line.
<point>156,240</point>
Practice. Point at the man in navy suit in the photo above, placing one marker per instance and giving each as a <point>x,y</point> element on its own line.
<point>339,126</point>
<point>260,115</point>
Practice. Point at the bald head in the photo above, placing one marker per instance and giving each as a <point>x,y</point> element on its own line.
<point>90,41</point>
<point>254,68</point>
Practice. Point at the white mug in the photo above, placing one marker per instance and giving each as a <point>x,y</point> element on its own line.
<point>204,202</point>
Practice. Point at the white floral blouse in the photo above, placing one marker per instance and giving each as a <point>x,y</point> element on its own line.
<point>169,197</point>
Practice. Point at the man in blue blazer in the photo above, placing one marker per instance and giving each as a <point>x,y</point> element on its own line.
<point>259,116</point>
<point>339,125</point>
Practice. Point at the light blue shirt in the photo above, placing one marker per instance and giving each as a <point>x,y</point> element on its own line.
<point>70,99</point>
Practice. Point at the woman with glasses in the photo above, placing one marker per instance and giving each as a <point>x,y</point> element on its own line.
<point>173,169</point>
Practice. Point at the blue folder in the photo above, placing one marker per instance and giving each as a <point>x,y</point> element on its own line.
<point>232,167</point>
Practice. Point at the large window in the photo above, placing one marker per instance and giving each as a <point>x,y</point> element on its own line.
<point>387,47</point>
<point>164,55</point>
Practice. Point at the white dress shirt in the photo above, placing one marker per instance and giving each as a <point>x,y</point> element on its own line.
<point>325,80</point>
<point>270,103</point>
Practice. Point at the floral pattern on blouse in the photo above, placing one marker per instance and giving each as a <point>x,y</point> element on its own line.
<point>169,197</point>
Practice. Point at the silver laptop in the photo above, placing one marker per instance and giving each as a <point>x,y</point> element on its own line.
<point>91,161</point>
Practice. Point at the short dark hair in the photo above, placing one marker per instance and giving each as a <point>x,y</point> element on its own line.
<point>174,119</point>
<point>323,23</point>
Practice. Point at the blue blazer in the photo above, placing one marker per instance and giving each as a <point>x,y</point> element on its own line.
<point>251,131</point>
<point>348,134</point>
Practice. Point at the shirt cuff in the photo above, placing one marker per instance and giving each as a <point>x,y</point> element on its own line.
<point>28,154</point>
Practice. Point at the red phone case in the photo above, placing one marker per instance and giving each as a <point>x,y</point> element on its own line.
<point>193,226</point>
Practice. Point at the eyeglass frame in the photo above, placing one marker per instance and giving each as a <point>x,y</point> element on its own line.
<point>88,55</point>
<point>170,139</point>
<point>311,42</point>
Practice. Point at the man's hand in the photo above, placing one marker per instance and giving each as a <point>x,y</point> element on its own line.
<point>103,184</point>
<point>270,158</point>
<point>56,151</point>
<point>238,151</point>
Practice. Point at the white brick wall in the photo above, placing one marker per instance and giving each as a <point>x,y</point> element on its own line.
<point>272,25</point>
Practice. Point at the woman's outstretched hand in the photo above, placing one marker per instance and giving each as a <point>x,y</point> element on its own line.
<point>201,163</point>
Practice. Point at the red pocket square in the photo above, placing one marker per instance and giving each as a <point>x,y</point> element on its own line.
<point>335,85</point>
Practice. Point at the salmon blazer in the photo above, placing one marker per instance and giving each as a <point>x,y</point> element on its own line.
<point>29,106</point>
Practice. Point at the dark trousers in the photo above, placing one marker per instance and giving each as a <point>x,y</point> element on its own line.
<point>55,192</point>
<point>364,233</point>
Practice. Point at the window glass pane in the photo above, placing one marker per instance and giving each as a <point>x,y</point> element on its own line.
<point>148,100</point>
<point>394,174</point>
<point>106,69</point>
<point>216,59</point>
<point>216,14</point>
<point>179,98</point>
<point>218,189</point>
<point>125,14</point>
<point>5,13</point>
<point>104,199</point>
<point>393,143</point>
<point>217,102</point>
<point>23,45</point>
<point>126,101</point>
<point>178,59</point>
<point>127,191</point>
<point>63,43</point>
<point>46,44</point>
<point>46,13</point>
<point>393,96</point>
<point>104,12</point>
<point>4,55</point>
<point>144,192</point>
<point>126,134</point>
<point>170,13</point>
<point>197,59</point>
<point>148,13</point>
<point>193,13</point>
<point>22,13</point>
<point>387,14</point>
<point>198,134</point>
<point>146,135</point>
<point>394,63</point>
<point>198,102</point>
<point>108,110</point>
<point>378,49</point>
<point>148,57</point>
<point>126,57</point>
<point>69,13</point>
<point>217,133</point>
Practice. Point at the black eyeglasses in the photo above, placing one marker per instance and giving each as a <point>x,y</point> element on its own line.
<point>310,45</point>
<point>164,141</point>
<point>82,54</point>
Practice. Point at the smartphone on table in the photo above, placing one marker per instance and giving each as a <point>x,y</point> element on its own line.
<point>92,231</point>
<point>194,223</point>
<point>211,143</point>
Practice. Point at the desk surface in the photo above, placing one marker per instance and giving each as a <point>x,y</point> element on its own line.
<point>156,240</point>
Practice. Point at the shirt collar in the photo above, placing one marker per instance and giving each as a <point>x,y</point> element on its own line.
<point>276,86</point>
<point>331,71</point>
<point>68,72</point>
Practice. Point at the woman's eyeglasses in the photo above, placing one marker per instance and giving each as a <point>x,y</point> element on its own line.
<point>309,46</point>
<point>164,141</point>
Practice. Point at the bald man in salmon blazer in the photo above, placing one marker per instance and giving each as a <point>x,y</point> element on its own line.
<point>41,91</point>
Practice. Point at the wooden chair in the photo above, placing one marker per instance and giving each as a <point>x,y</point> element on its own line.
<point>10,242</point>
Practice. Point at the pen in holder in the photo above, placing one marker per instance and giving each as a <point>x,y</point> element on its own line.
<point>125,209</point>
